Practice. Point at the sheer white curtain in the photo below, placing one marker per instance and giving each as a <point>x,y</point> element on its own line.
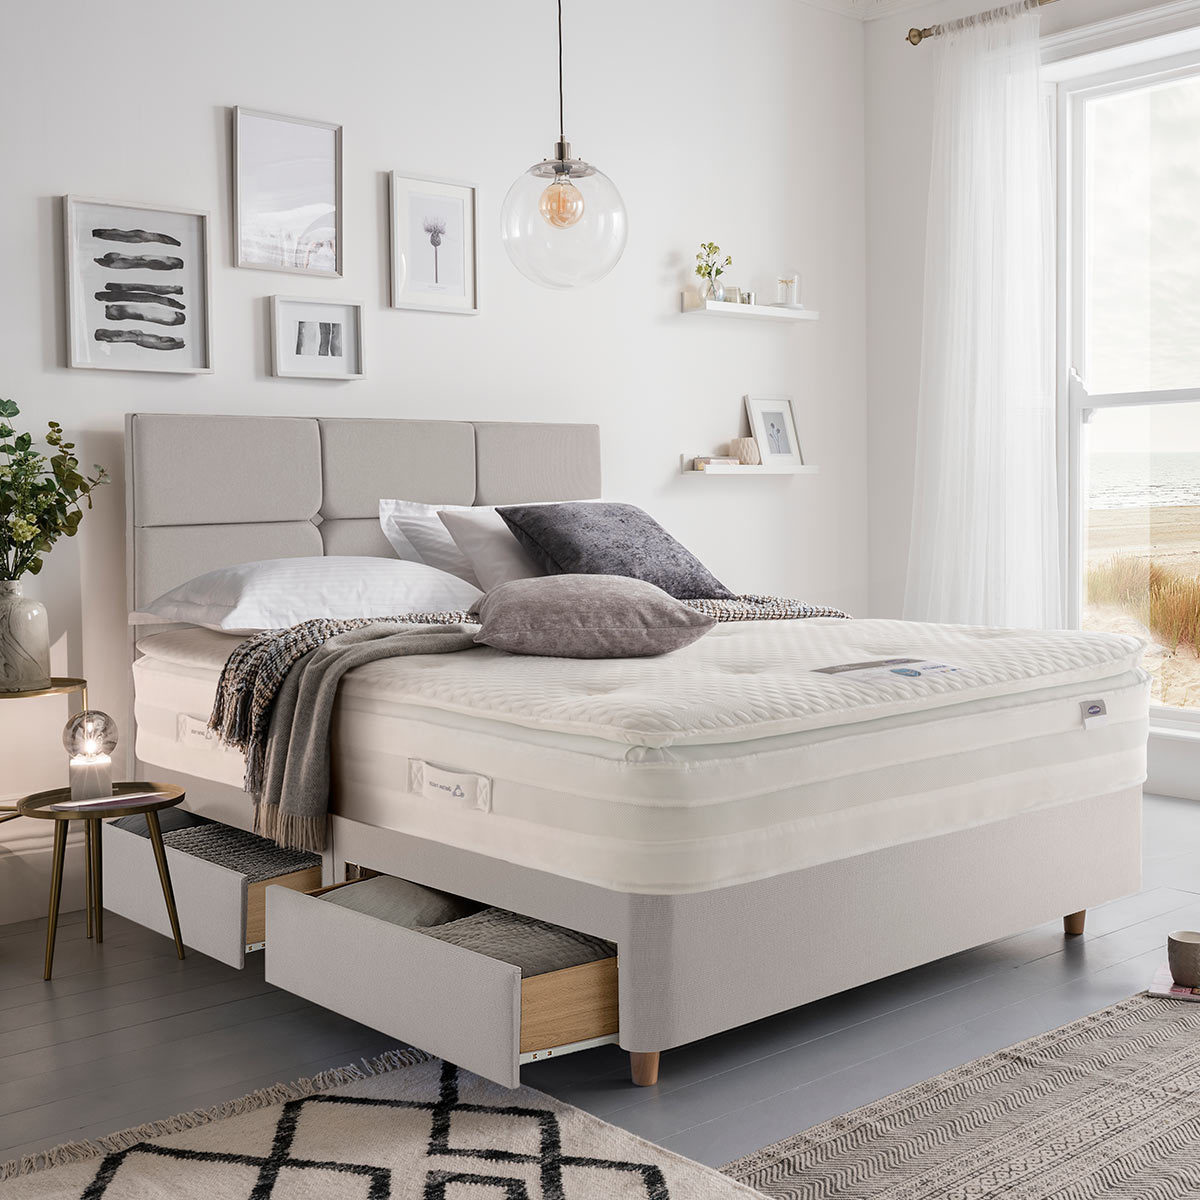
<point>984,544</point>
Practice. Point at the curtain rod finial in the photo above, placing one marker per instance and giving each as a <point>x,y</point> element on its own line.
<point>915,36</point>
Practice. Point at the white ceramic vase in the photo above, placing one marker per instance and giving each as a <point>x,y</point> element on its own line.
<point>24,640</point>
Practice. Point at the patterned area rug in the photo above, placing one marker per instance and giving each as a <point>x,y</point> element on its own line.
<point>404,1128</point>
<point>1108,1106</point>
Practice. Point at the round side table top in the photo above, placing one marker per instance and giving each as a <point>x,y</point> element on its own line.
<point>128,799</point>
<point>60,685</point>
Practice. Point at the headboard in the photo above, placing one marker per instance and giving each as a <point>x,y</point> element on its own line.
<point>204,492</point>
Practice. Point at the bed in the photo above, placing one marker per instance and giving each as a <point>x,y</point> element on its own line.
<point>750,832</point>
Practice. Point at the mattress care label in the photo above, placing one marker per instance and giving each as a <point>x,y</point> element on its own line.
<point>194,732</point>
<point>458,788</point>
<point>906,668</point>
<point>1094,712</point>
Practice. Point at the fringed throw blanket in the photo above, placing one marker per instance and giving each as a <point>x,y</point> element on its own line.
<point>275,698</point>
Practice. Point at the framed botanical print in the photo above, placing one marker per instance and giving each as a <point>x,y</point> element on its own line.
<point>434,259</point>
<point>316,339</point>
<point>287,193</point>
<point>138,283</point>
<point>773,423</point>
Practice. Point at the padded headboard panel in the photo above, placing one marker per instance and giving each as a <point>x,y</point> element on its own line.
<point>204,492</point>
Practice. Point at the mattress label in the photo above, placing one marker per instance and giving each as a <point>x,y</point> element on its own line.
<point>1094,712</point>
<point>907,668</point>
<point>459,788</point>
<point>194,732</point>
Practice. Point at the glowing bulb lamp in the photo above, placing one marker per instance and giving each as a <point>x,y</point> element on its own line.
<point>90,737</point>
<point>563,222</point>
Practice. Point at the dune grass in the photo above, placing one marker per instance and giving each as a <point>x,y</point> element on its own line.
<point>1167,603</point>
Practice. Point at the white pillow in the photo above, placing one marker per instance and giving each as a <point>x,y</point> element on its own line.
<point>281,592</point>
<point>416,534</point>
<point>493,551</point>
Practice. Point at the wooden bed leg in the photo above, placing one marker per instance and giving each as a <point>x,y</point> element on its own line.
<point>1073,922</point>
<point>644,1068</point>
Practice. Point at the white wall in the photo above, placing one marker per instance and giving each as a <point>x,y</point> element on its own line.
<point>741,122</point>
<point>899,81</point>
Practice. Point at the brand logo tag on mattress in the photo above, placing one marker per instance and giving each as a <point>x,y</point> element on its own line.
<point>1095,712</point>
<point>191,731</point>
<point>450,787</point>
<point>906,668</point>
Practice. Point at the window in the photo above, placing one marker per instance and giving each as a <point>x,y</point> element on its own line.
<point>1130,351</point>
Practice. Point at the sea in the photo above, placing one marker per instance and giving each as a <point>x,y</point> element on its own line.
<point>1156,480</point>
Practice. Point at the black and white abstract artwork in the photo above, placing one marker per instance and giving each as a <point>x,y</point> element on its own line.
<point>137,284</point>
<point>773,424</point>
<point>316,339</point>
<point>433,245</point>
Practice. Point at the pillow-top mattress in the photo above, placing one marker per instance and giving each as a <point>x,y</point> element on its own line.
<point>762,748</point>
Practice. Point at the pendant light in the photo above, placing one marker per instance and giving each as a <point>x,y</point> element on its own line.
<point>563,222</point>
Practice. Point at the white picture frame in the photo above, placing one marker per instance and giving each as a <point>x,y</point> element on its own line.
<point>434,270</point>
<point>316,338</point>
<point>773,423</point>
<point>287,193</point>
<point>139,278</point>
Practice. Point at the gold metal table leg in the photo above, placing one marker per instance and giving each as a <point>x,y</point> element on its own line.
<point>97,880</point>
<point>164,875</point>
<point>87,873</point>
<point>56,879</point>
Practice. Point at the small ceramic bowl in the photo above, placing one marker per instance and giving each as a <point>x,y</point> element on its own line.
<point>1183,954</point>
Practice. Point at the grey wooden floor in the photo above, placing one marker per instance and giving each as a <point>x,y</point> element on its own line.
<point>126,1034</point>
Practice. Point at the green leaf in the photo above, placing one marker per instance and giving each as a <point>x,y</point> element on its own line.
<point>23,442</point>
<point>35,565</point>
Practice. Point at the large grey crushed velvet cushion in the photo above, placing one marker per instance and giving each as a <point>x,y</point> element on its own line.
<point>611,539</point>
<point>587,616</point>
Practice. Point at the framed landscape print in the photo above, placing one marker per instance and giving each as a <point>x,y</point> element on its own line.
<point>316,339</point>
<point>287,193</point>
<point>137,286</point>
<point>773,424</point>
<point>434,261</point>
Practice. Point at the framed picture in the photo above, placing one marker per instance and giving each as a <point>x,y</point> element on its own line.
<point>316,339</point>
<point>773,424</point>
<point>434,261</point>
<point>287,193</point>
<point>137,286</point>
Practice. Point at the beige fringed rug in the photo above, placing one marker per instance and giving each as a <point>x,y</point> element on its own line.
<point>403,1127</point>
<point>1108,1106</point>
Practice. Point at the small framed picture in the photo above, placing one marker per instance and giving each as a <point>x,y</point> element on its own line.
<point>287,175</point>
<point>316,339</point>
<point>434,260</point>
<point>137,286</point>
<point>773,423</point>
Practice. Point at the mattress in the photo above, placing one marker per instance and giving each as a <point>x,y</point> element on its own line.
<point>762,748</point>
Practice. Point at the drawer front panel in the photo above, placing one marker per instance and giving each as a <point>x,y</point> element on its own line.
<point>461,1006</point>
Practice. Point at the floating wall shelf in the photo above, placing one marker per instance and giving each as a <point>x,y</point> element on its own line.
<point>691,305</point>
<point>686,460</point>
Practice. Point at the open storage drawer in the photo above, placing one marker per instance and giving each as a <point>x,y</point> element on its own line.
<point>221,905</point>
<point>463,1006</point>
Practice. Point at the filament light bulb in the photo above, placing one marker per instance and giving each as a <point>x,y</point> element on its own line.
<point>561,204</point>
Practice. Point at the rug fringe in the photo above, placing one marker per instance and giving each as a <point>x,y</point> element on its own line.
<point>279,1093</point>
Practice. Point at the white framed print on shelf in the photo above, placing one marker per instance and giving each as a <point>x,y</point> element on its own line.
<point>434,259</point>
<point>773,423</point>
<point>138,283</point>
<point>287,174</point>
<point>316,339</point>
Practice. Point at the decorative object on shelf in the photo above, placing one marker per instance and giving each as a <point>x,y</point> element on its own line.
<point>710,267</point>
<point>138,283</point>
<point>42,497</point>
<point>89,738</point>
<point>732,294</point>
<point>287,193</point>
<point>745,450</point>
<point>749,297</point>
<point>563,221</point>
<point>787,290</point>
<point>704,461</point>
<point>316,339</point>
<point>774,426</point>
<point>434,252</point>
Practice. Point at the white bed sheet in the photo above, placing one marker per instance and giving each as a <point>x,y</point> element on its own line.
<point>730,760</point>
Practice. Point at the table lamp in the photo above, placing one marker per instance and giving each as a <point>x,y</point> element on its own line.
<point>90,737</point>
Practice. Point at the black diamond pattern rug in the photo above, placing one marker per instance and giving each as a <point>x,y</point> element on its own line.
<point>404,1131</point>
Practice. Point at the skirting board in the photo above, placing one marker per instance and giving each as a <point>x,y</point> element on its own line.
<point>25,859</point>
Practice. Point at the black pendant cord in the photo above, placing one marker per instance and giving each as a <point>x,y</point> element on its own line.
<point>562,134</point>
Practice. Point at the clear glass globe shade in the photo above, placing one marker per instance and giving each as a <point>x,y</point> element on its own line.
<point>561,203</point>
<point>90,733</point>
<point>564,256</point>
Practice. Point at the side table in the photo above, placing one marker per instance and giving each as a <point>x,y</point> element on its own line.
<point>127,800</point>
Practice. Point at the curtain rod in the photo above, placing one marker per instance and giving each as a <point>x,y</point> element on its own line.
<point>917,36</point>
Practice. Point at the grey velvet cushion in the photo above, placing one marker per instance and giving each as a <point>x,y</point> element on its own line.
<point>534,946</point>
<point>611,539</point>
<point>587,616</point>
<point>402,902</point>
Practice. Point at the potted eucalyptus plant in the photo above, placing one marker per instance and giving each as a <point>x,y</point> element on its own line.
<point>42,497</point>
